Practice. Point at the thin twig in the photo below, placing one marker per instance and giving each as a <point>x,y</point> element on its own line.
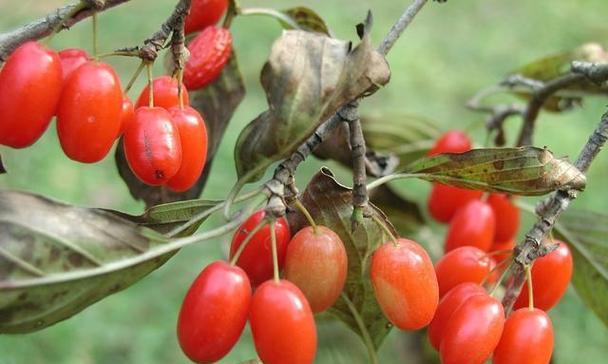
<point>357,145</point>
<point>399,26</point>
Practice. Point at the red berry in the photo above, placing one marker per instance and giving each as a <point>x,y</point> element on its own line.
<point>165,94</point>
<point>472,331</point>
<point>551,275</point>
<point>464,264</point>
<point>127,113</point>
<point>256,259</point>
<point>30,86</point>
<point>507,217</point>
<point>193,139</point>
<point>453,141</point>
<point>209,52</point>
<point>506,248</point>
<point>445,200</point>
<point>204,13</point>
<point>71,59</point>
<point>405,284</point>
<point>448,304</point>
<point>473,225</point>
<point>526,338</point>
<point>152,146</point>
<point>89,112</point>
<point>282,324</point>
<point>317,264</point>
<point>214,312</point>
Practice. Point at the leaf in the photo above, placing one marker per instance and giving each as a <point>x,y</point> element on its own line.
<point>330,204</point>
<point>405,214</point>
<point>585,232</point>
<point>216,103</point>
<point>307,19</point>
<point>525,171</point>
<point>393,142</point>
<point>2,169</point>
<point>307,77</point>
<point>56,259</point>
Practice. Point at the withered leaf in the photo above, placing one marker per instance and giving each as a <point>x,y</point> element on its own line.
<point>585,232</point>
<point>521,171</point>
<point>405,215</point>
<point>330,204</point>
<point>307,19</point>
<point>307,77</point>
<point>217,103</point>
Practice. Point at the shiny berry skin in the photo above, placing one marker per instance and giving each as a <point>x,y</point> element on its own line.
<point>472,331</point>
<point>551,275</point>
<point>71,59</point>
<point>165,94</point>
<point>472,225</point>
<point>209,52</point>
<point>445,200</point>
<point>282,324</point>
<point>453,141</point>
<point>127,113</point>
<point>526,338</point>
<point>214,312</point>
<point>464,264</point>
<point>256,259</point>
<point>204,13</point>
<point>30,87</point>
<point>448,304</point>
<point>405,284</point>
<point>317,263</point>
<point>193,139</point>
<point>89,112</point>
<point>152,146</point>
<point>507,217</point>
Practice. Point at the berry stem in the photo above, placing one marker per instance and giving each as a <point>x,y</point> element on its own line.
<point>367,340</point>
<point>305,212</point>
<point>95,45</point>
<point>386,230</point>
<point>180,87</point>
<point>275,256</point>
<point>530,289</point>
<point>248,238</point>
<point>150,85</point>
<point>135,76</point>
<point>498,266</point>
<point>501,278</point>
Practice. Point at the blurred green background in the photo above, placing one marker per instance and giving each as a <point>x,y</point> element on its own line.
<point>450,52</point>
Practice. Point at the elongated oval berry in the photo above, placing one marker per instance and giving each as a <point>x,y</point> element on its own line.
<point>193,139</point>
<point>472,331</point>
<point>127,113</point>
<point>507,217</point>
<point>209,53</point>
<point>256,259</point>
<point>165,93</point>
<point>30,86</point>
<point>316,262</point>
<point>445,200</point>
<point>214,312</point>
<point>453,141</point>
<point>71,59</point>
<point>405,284</point>
<point>448,304</point>
<point>152,146</point>
<point>464,264</point>
<point>526,338</point>
<point>89,112</point>
<point>282,324</point>
<point>551,275</point>
<point>204,13</point>
<point>473,225</point>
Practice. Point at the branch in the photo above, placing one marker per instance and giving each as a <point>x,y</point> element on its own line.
<point>401,24</point>
<point>549,211</point>
<point>70,14</point>
<point>357,146</point>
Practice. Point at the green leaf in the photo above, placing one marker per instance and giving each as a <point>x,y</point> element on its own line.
<point>307,77</point>
<point>217,103</point>
<point>585,232</point>
<point>525,171</point>
<point>56,259</point>
<point>307,19</point>
<point>330,204</point>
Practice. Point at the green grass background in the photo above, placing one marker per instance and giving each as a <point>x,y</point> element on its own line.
<point>450,51</point>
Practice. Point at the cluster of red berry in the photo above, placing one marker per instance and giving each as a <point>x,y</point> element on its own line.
<point>470,324</point>
<point>165,140</point>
